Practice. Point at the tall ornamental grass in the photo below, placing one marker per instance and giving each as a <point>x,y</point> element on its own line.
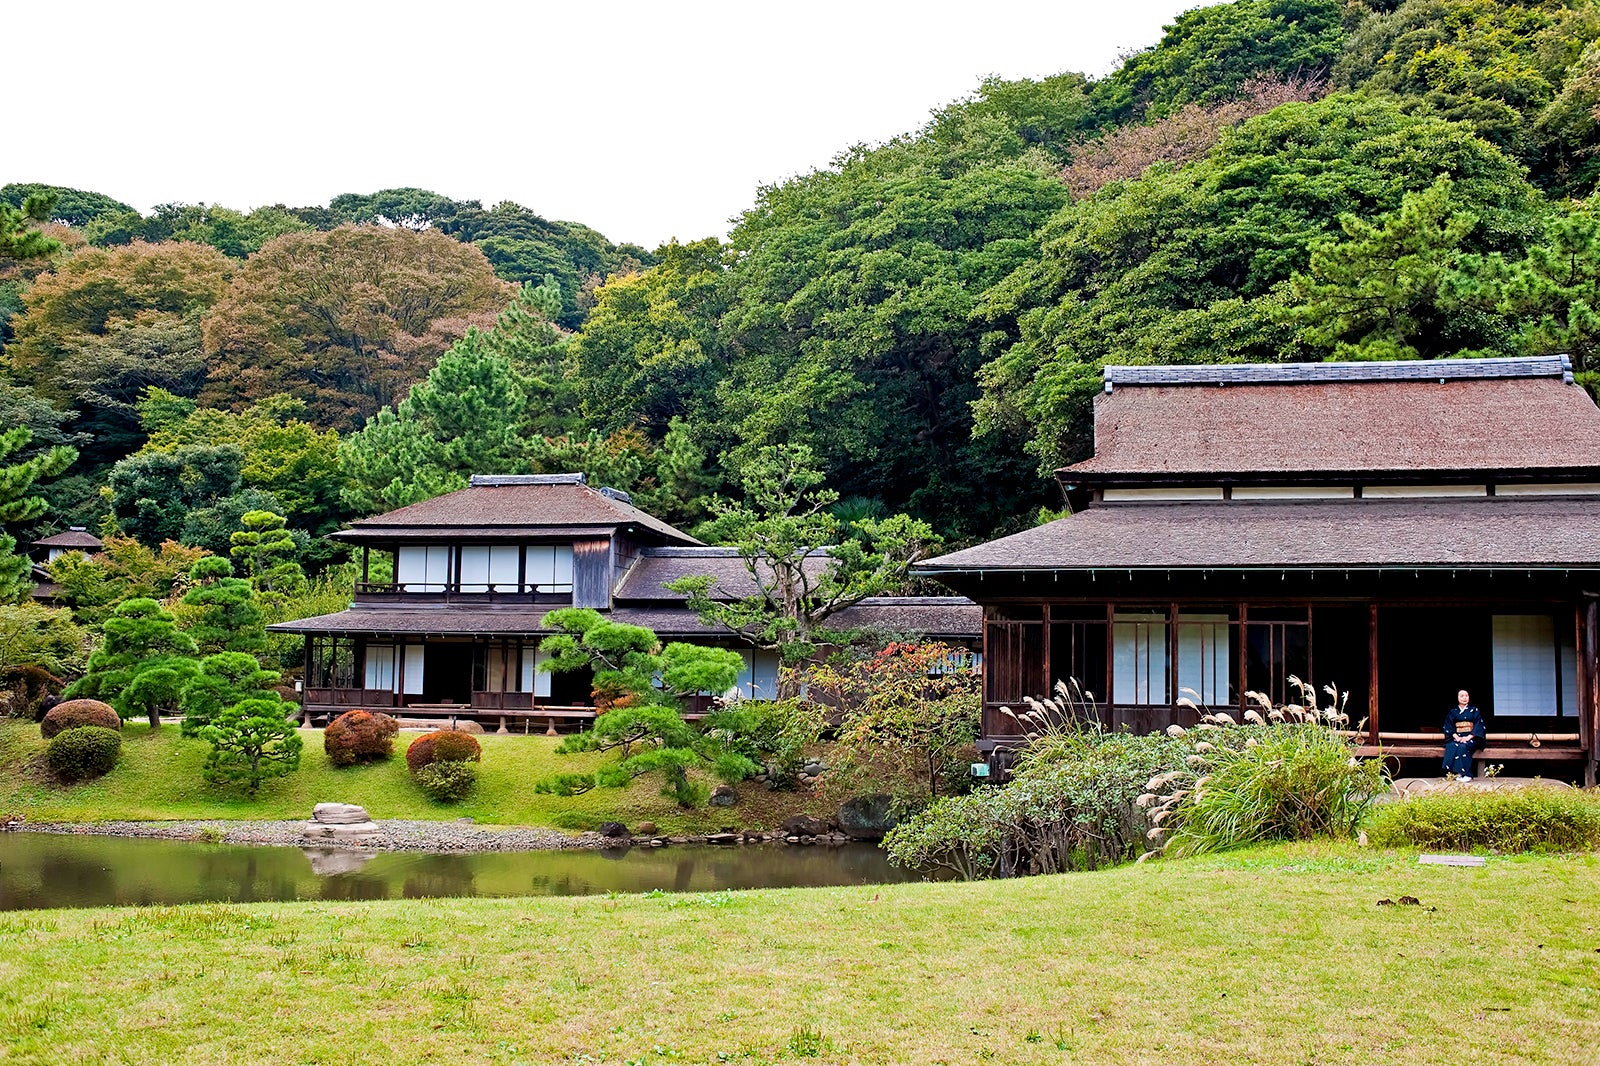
<point>1286,774</point>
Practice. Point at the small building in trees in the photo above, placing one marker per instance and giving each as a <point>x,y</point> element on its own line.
<point>47,550</point>
<point>448,612</point>
<point>1396,530</point>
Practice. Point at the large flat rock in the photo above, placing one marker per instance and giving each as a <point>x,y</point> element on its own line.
<point>339,814</point>
<point>340,831</point>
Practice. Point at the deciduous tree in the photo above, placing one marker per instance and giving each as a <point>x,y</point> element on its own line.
<point>344,319</point>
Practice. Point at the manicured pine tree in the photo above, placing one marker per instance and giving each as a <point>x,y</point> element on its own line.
<point>223,680</point>
<point>225,614</point>
<point>142,665</point>
<point>252,741</point>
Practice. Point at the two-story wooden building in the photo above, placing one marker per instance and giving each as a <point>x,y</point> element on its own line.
<point>1399,530</point>
<point>447,616</point>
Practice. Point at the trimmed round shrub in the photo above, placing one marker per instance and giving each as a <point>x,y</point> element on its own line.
<point>443,745</point>
<point>359,736</point>
<point>83,752</point>
<point>447,782</point>
<point>75,713</point>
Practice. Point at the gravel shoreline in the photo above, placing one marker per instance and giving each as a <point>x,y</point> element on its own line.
<point>393,835</point>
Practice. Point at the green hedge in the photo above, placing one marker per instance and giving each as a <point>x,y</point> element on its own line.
<point>1505,820</point>
<point>83,752</point>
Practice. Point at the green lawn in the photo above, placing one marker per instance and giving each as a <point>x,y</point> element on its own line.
<point>158,778</point>
<point>1274,956</point>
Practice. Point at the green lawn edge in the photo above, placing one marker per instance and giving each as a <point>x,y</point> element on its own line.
<point>1276,955</point>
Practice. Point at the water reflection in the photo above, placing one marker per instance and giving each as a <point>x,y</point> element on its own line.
<point>44,870</point>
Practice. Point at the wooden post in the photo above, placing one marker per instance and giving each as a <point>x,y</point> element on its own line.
<point>1372,673</point>
<point>365,568</point>
<point>305,682</point>
<point>400,674</point>
<point>1589,667</point>
<point>1244,657</point>
<point>1172,661</point>
<point>1108,718</point>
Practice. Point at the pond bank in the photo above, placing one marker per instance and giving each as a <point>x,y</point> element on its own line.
<point>399,835</point>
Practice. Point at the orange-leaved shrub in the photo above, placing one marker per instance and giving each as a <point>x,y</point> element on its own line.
<point>443,745</point>
<point>76,713</point>
<point>359,736</point>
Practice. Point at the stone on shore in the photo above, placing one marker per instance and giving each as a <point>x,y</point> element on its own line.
<point>339,814</point>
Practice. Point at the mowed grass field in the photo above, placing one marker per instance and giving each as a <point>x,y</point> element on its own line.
<point>158,778</point>
<point>1279,955</point>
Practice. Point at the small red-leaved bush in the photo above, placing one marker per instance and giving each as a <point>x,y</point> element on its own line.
<point>359,736</point>
<point>444,745</point>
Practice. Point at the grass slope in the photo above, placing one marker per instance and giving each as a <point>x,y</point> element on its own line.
<point>158,779</point>
<point>1276,956</point>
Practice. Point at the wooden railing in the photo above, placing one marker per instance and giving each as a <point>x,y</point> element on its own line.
<point>470,591</point>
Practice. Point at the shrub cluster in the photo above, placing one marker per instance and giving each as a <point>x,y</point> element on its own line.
<point>75,713</point>
<point>83,752</point>
<point>28,686</point>
<point>1504,820</point>
<point>441,762</point>
<point>1082,797</point>
<point>359,736</point>
<point>447,782</point>
<point>442,745</point>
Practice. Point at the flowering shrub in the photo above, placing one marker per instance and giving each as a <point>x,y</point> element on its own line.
<point>442,745</point>
<point>75,713</point>
<point>359,736</point>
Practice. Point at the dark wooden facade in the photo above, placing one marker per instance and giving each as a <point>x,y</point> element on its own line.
<point>1231,560</point>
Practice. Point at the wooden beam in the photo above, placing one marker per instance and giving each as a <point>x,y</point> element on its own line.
<point>1372,672</point>
<point>1589,665</point>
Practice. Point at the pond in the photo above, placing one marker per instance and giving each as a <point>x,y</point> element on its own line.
<point>47,870</point>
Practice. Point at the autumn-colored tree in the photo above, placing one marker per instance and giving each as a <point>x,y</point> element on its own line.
<point>344,319</point>
<point>123,569</point>
<point>100,291</point>
<point>1185,135</point>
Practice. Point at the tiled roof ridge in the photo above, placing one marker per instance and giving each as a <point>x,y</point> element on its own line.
<point>708,551</point>
<point>1538,366</point>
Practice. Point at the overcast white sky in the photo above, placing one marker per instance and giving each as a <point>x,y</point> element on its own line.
<point>643,120</point>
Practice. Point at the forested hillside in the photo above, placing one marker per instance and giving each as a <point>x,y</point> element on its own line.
<point>1275,180</point>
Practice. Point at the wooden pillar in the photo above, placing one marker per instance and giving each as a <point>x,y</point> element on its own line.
<point>366,570</point>
<point>1172,660</point>
<point>1589,686</point>
<point>1108,718</point>
<point>1244,658</point>
<point>400,674</point>
<point>305,683</point>
<point>1372,673</point>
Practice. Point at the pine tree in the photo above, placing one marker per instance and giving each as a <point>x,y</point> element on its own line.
<point>223,680</point>
<point>16,505</point>
<point>222,611</point>
<point>142,665</point>
<point>267,550</point>
<point>251,741</point>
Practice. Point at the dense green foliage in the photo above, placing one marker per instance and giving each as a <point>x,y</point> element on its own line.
<point>448,782</point>
<point>1503,820</point>
<point>252,741</point>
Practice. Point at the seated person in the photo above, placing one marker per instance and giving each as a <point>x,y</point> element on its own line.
<point>1463,735</point>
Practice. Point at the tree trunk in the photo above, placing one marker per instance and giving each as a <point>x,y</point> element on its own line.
<point>155,717</point>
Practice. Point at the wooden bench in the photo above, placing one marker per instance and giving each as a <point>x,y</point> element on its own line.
<point>1498,747</point>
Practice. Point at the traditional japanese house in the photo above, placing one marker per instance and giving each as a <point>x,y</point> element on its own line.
<point>448,614</point>
<point>1396,530</point>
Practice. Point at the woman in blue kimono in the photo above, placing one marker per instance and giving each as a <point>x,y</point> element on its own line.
<point>1463,735</point>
